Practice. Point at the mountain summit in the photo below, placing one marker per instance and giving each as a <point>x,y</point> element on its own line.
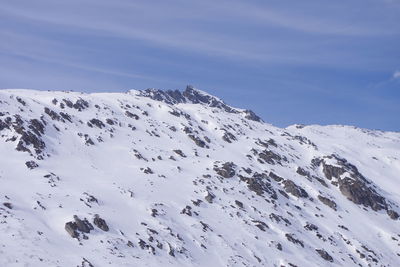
<point>171,178</point>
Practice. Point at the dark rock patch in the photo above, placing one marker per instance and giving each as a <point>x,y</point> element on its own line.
<point>131,115</point>
<point>52,114</point>
<point>330,203</point>
<point>8,205</point>
<point>277,178</point>
<point>260,225</point>
<point>271,157</point>
<point>311,227</point>
<point>31,164</point>
<point>80,104</point>
<point>228,137</point>
<point>293,189</point>
<point>180,153</point>
<point>197,141</point>
<point>294,240</point>
<point>96,122</point>
<point>239,204</point>
<point>209,197</point>
<point>227,170</point>
<point>324,255</point>
<point>101,223</point>
<point>260,185</point>
<point>393,215</point>
<point>361,194</point>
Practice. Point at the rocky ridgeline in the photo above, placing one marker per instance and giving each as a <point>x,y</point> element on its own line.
<point>184,179</point>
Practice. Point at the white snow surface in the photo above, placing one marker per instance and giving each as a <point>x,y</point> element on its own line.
<point>126,171</point>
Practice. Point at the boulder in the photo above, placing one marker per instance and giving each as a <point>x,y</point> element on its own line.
<point>83,225</point>
<point>71,228</point>
<point>101,223</point>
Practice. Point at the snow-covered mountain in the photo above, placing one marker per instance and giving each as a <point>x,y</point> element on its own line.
<point>169,178</point>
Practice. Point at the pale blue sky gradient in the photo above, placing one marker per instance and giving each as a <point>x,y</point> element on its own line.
<point>311,62</point>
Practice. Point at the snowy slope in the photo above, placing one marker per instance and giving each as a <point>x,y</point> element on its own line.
<point>183,179</point>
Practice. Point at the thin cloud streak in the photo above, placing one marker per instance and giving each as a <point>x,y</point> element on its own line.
<point>210,44</point>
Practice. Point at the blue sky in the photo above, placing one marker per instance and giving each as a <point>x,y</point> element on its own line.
<point>310,62</point>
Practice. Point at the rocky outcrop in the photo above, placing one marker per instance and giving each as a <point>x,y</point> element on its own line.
<point>359,193</point>
<point>325,255</point>
<point>209,197</point>
<point>330,203</point>
<point>226,170</point>
<point>294,240</point>
<point>293,189</point>
<point>393,215</point>
<point>352,184</point>
<point>74,228</point>
<point>271,157</point>
<point>101,223</point>
<point>194,96</point>
<point>260,184</point>
<point>31,164</point>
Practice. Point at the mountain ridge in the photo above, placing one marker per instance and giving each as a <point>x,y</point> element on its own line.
<point>136,178</point>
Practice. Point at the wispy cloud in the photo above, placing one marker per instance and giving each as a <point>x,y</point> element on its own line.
<point>293,49</point>
<point>396,74</point>
<point>215,28</point>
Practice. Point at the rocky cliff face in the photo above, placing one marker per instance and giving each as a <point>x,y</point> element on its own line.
<point>170,178</point>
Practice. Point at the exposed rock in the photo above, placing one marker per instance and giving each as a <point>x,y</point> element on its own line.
<point>227,170</point>
<point>250,115</point>
<point>180,153</point>
<point>271,157</point>
<point>96,122</point>
<point>8,205</point>
<point>3,125</point>
<point>71,228</point>
<point>228,137</point>
<point>330,203</point>
<point>52,114</point>
<point>239,204</point>
<point>359,193</point>
<point>294,240</point>
<point>88,140</point>
<point>311,227</point>
<point>148,170</point>
<point>66,116</point>
<point>209,197</point>
<point>80,104</point>
<point>277,178</point>
<point>170,97</point>
<point>194,96</point>
<point>36,126</point>
<point>291,188</point>
<point>131,115</point>
<point>278,218</point>
<point>28,138</point>
<point>187,210</point>
<point>197,140</point>
<point>101,223</point>
<point>260,225</point>
<point>260,185</point>
<point>83,225</point>
<point>331,171</point>
<point>392,214</point>
<point>31,164</point>
<point>324,255</point>
<point>303,172</point>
